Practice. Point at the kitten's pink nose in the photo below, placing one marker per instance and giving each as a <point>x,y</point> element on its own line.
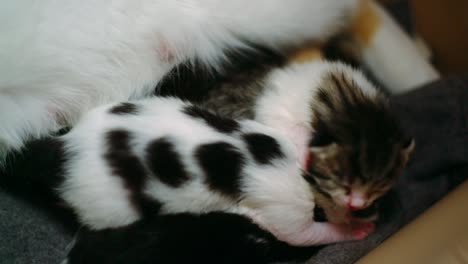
<point>356,201</point>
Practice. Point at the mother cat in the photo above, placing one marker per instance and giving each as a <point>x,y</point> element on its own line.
<point>59,59</point>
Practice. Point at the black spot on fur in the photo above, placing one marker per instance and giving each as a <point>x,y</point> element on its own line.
<point>123,162</point>
<point>165,163</point>
<point>221,124</point>
<point>319,214</point>
<point>126,165</point>
<point>222,164</point>
<point>125,109</point>
<point>263,148</point>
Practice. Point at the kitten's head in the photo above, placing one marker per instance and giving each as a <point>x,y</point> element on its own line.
<point>352,178</point>
<point>358,149</point>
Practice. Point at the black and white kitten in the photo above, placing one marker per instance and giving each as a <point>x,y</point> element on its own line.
<point>343,130</point>
<point>164,156</point>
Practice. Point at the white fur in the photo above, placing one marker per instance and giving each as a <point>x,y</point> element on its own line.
<point>278,188</point>
<point>286,104</point>
<point>59,59</point>
<point>394,58</point>
<point>100,198</point>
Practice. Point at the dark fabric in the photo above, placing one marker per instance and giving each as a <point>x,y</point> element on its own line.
<point>185,238</point>
<point>436,115</point>
<point>28,234</point>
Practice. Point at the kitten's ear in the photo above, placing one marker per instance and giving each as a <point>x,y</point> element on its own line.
<point>323,153</point>
<point>408,148</point>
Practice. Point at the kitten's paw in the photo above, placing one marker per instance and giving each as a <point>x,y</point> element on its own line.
<point>361,230</point>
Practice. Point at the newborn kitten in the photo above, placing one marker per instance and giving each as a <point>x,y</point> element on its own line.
<point>134,160</point>
<point>343,130</point>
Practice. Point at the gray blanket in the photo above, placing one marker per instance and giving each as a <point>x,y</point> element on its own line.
<point>436,115</point>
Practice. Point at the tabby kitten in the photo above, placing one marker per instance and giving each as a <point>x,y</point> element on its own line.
<point>344,133</point>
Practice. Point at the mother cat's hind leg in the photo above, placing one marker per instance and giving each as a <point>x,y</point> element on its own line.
<point>388,51</point>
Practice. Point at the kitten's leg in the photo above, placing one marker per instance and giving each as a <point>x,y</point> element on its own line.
<point>388,51</point>
<point>310,233</point>
<point>327,233</point>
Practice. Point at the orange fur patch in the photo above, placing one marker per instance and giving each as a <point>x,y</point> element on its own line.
<point>309,53</point>
<point>365,23</point>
